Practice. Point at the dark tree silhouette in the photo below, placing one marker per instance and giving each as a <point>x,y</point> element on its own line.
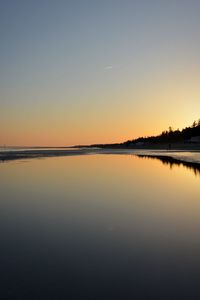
<point>170,136</point>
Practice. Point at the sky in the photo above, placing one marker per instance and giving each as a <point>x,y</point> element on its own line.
<point>83,72</point>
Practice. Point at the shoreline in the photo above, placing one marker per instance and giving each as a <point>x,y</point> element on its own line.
<point>29,154</point>
<point>183,155</point>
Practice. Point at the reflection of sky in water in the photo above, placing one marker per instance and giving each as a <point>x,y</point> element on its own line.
<point>98,227</point>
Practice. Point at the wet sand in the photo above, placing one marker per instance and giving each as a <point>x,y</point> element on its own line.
<point>172,156</point>
<point>38,153</point>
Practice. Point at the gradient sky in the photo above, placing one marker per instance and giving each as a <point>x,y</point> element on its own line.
<point>79,72</point>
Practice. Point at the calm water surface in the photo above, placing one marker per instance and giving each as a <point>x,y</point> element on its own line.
<point>99,227</point>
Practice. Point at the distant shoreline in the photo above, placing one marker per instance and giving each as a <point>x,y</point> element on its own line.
<point>147,146</point>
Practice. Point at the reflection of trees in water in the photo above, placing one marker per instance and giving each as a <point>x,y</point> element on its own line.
<point>170,161</point>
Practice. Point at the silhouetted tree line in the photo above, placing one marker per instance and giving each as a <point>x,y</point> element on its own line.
<point>170,135</point>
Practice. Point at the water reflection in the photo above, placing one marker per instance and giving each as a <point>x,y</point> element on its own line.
<point>98,227</point>
<point>170,161</point>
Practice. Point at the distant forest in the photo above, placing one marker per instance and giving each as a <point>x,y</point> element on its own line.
<point>170,136</point>
<point>187,135</point>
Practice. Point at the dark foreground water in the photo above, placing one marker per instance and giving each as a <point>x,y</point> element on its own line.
<point>99,227</point>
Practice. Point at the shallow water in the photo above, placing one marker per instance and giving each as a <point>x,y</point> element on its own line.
<point>99,227</point>
<point>185,156</point>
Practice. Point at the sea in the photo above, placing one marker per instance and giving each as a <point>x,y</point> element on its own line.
<point>100,226</point>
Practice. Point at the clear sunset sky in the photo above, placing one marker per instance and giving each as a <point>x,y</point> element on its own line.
<point>97,71</point>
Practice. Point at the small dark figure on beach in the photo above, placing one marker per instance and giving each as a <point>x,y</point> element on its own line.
<point>169,147</point>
